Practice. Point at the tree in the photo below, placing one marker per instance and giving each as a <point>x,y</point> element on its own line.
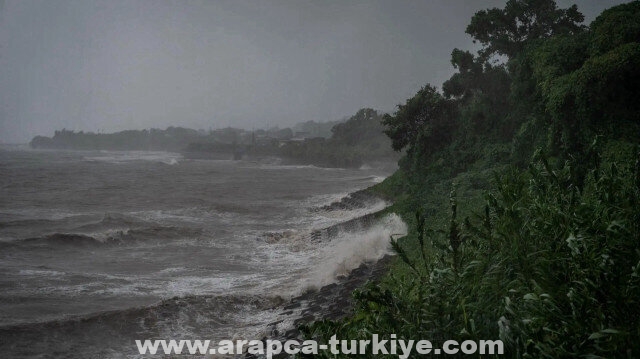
<point>506,31</point>
<point>616,26</point>
<point>362,128</point>
<point>480,88</point>
<point>589,84</point>
<point>427,116</point>
<point>468,77</point>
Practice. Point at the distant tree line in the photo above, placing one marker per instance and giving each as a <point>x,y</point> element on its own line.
<point>173,138</point>
<point>354,142</point>
<point>345,143</point>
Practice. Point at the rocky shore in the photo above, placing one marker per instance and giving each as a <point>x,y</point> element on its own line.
<point>333,301</point>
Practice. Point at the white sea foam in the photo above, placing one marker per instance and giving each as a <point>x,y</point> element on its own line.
<point>297,167</point>
<point>118,157</point>
<point>41,214</point>
<point>172,270</point>
<point>302,263</point>
<point>201,285</point>
<point>192,214</point>
<point>323,199</point>
<point>351,249</point>
<point>40,273</point>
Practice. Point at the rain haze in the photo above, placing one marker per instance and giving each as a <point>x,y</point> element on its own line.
<point>107,66</point>
<point>181,175</point>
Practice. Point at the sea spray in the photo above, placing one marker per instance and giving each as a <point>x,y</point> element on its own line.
<point>350,249</point>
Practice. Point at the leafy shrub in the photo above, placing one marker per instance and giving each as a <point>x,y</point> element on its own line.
<point>551,269</point>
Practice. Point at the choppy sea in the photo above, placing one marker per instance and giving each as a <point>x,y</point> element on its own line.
<point>100,248</point>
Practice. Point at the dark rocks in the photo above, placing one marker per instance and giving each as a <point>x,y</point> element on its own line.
<point>332,301</point>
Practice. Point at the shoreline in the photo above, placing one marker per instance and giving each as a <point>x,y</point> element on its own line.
<point>332,301</point>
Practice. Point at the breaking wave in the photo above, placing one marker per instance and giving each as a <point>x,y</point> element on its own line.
<point>111,237</point>
<point>118,157</point>
<point>111,333</point>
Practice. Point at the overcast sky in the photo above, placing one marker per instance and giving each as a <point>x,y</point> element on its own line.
<point>130,64</point>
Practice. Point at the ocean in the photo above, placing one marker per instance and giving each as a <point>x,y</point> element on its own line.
<point>99,248</point>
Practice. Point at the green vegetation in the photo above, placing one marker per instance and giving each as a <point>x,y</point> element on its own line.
<point>354,142</point>
<point>316,129</point>
<point>521,186</point>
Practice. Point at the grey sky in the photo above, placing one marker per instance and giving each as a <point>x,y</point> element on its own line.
<point>129,64</point>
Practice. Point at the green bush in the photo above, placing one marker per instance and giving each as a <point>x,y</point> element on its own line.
<point>551,269</point>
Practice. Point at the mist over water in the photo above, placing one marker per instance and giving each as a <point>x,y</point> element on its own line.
<point>102,247</point>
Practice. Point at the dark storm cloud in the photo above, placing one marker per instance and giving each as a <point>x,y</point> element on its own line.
<point>113,65</point>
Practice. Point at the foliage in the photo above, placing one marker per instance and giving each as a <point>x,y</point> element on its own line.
<point>363,128</point>
<point>507,31</point>
<point>616,26</point>
<point>316,129</point>
<point>547,256</point>
<point>551,270</point>
<point>426,117</point>
<point>353,142</point>
<point>589,88</point>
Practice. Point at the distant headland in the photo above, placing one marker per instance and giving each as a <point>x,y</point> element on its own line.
<point>351,142</point>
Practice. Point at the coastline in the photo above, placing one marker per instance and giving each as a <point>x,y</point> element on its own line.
<point>331,301</point>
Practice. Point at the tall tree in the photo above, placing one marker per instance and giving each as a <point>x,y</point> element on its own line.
<point>506,31</point>
<point>427,116</point>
